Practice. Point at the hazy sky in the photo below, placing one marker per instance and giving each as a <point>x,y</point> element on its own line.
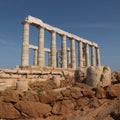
<point>95,20</point>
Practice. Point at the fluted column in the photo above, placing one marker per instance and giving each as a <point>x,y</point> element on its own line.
<point>80,54</point>
<point>41,47</point>
<point>93,55</point>
<point>53,49</point>
<point>25,45</point>
<point>87,56</point>
<point>49,59</point>
<point>68,58</point>
<point>64,52</point>
<point>73,54</point>
<point>35,57</point>
<point>98,57</point>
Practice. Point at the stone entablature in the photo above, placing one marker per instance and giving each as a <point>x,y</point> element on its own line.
<point>68,56</point>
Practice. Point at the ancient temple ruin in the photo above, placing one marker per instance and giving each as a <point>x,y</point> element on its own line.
<point>88,52</point>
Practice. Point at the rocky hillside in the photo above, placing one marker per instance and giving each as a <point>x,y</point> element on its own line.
<point>44,101</point>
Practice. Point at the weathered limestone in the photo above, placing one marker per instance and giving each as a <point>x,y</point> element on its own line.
<point>65,58</point>
<point>41,47</point>
<point>25,44</point>
<point>53,49</point>
<point>22,85</point>
<point>98,76</point>
<point>94,76</point>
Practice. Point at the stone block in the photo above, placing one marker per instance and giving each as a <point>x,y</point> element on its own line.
<point>10,71</point>
<point>36,72</point>
<point>22,85</point>
<point>23,71</point>
<point>56,80</point>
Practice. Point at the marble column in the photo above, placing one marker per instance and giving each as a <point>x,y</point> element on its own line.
<point>53,49</point>
<point>80,54</point>
<point>87,56</point>
<point>25,44</point>
<point>68,58</point>
<point>64,52</point>
<point>84,54</point>
<point>49,59</point>
<point>35,57</point>
<point>73,54</point>
<point>93,55</point>
<point>98,56</point>
<point>41,55</point>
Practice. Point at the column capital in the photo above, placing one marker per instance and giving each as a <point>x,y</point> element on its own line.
<point>53,31</point>
<point>39,27</point>
<point>25,21</point>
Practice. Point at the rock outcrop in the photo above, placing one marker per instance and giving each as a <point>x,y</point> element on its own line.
<point>79,102</point>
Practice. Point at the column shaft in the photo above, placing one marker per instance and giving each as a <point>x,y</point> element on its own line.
<point>98,56</point>
<point>68,58</point>
<point>41,47</point>
<point>73,54</point>
<point>87,56</point>
<point>35,57</point>
<point>49,59</point>
<point>80,54</point>
<point>93,55</point>
<point>25,45</point>
<point>53,49</point>
<point>64,52</point>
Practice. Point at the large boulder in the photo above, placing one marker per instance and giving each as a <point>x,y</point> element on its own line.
<point>7,111</point>
<point>76,93</point>
<point>98,76</point>
<point>94,75</point>
<point>50,96</point>
<point>11,95</point>
<point>64,107</point>
<point>113,91</point>
<point>33,109</point>
<point>106,76</point>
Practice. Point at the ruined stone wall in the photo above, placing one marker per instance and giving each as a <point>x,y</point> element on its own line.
<point>9,77</point>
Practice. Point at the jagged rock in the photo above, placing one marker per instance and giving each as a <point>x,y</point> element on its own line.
<point>76,93</point>
<point>82,102</point>
<point>33,109</point>
<point>66,93</point>
<point>80,75</point>
<point>7,111</point>
<point>113,91</point>
<point>100,93</point>
<point>105,77</point>
<point>50,96</point>
<point>30,96</point>
<point>63,107</point>
<point>115,77</point>
<point>11,96</point>
<point>88,93</point>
